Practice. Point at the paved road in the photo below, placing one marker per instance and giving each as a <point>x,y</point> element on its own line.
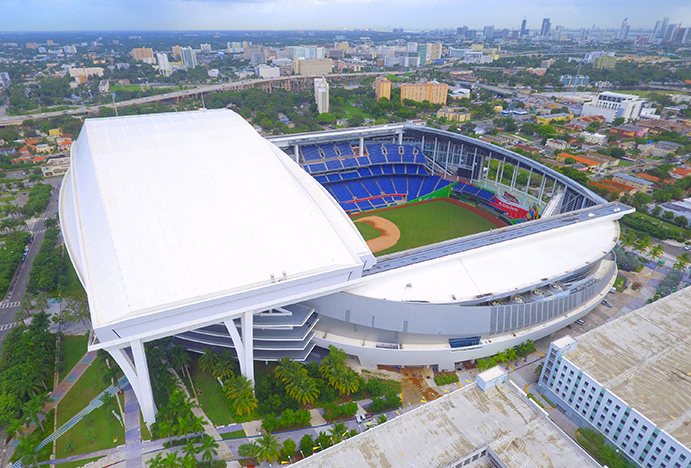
<point>18,119</point>
<point>9,306</point>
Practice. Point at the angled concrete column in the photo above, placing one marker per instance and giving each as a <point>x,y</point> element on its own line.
<point>137,374</point>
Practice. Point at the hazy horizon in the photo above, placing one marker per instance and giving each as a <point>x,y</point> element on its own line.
<point>325,15</point>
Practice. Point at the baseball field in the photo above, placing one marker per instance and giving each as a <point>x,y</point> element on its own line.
<point>404,227</point>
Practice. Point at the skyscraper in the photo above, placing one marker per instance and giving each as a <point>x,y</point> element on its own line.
<point>163,64</point>
<point>663,27</point>
<point>321,94</point>
<point>177,55</point>
<point>523,30</point>
<point>624,30</point>
<point>546,25</point>
<point>189,57</point>
<point>488,32</point>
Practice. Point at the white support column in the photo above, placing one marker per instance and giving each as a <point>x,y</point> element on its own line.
<point>296,151</point>
<point>137,374</point>
<point>400,138</point>
<point>237,342</point>
<point>147,405</point>
<point>362,146</point>
<point>247,324</point>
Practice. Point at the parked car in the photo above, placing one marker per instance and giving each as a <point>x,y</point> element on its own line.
<point>580,322</point>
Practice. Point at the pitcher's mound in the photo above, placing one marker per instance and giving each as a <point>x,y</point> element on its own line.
<point>388,233</point>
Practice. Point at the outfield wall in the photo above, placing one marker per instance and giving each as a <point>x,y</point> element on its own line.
<point>441,193</point>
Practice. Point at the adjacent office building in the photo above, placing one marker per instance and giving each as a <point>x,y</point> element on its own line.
<point>613,105</point>
<point>313,66</point>
<point>434,92</point>
<point>321,94</point>
<point>382,88</point>
<point>143,54</point>
<point>189,57</point>
<point>629,380</point>
<point>177,53</point>
<point>266,71</point>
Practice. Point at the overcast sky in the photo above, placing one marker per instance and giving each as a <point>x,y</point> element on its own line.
<point>54,15</point>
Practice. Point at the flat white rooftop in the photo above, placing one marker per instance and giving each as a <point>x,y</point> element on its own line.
<point>454,427</point>
<point>644,359</point>
<point>164,211</point>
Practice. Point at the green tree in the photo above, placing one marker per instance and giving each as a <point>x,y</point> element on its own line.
<point>338,431</point>
<point>656,251</point>
<point>683,261</point>
<point>307,445</point>
<point>208,360</point>
<point>248,450</point>
<point>268,448</point>
<point>288,449</point>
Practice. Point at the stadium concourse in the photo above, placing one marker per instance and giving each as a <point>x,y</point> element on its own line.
<point>192,225</point>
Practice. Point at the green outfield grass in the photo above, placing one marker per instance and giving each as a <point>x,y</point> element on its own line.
<point>426,223</point>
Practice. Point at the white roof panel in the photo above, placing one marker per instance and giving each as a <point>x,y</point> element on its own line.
<point>498,268</point>
<point>177,208</point>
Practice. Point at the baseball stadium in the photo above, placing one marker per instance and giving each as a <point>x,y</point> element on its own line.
<point>401,244</point>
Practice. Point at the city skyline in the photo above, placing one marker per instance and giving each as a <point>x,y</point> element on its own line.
<point>127,15</point>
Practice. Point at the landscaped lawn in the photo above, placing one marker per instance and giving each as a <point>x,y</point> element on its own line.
<point>428,223</point>
<point>88,387</point>
<point>78,463</point>
<point>211,397</point>
<point>75,348</point>
<point>233,434</point>
<point>620,283</point>
<point>99,430</point>
<point>130,87</point>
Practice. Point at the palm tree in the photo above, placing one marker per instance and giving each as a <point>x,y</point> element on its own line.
<point>627,239</point>
<point>642,244</point>
<point>171,460</point>
<point>156,462</point>
<point>347,382</point>
<point>333,362</point>
<point>338,431</point>
<point>511,355</point>
<point>656,251</point>
<point>190,450</point>
<point>222,370</point>
<point>207,361</point>
<point>111,376</point>
<point>304,390</point>
<point>529,347</point>
<point>683,261</point>
<point>288,370</point>
<point>26,450</point>
<point>248,450</point>
<point>33,410</point>
<point>208,448</point>
<point>239,389</point>
<point>502,358</point>
<point>268,448</point>
<point>14,429</point>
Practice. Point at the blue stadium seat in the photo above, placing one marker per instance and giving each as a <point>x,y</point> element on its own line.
<point>329,151</point>
<point>345,149</point>
<point>401,184</point>
<point>364,172</point>
<point>334,165</point>
<point>377,202</point>
<point>376,170</point>
<point>428,185</point>
<point>386,185</point>
<point>349,162</point>
<point>357,189</point>
<point>363,161</point>
<point>314,168</point>
<point>341,192</point>
<point>414,184</point>
<point>310,153</point>
<point>349,175</point>
<point>399,169</point>
<point>322,179</point>
<point>364,205</point>
<point>371,186</point>
<point>387,169</point>
<point>333,177</point>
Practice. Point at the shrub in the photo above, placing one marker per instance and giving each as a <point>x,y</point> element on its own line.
<point>270,422</point>
<point>446,378</point>
<point>288,449</point>
<point>375,387</point>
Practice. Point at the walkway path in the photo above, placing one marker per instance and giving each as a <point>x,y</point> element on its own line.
<point>133,430</point>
